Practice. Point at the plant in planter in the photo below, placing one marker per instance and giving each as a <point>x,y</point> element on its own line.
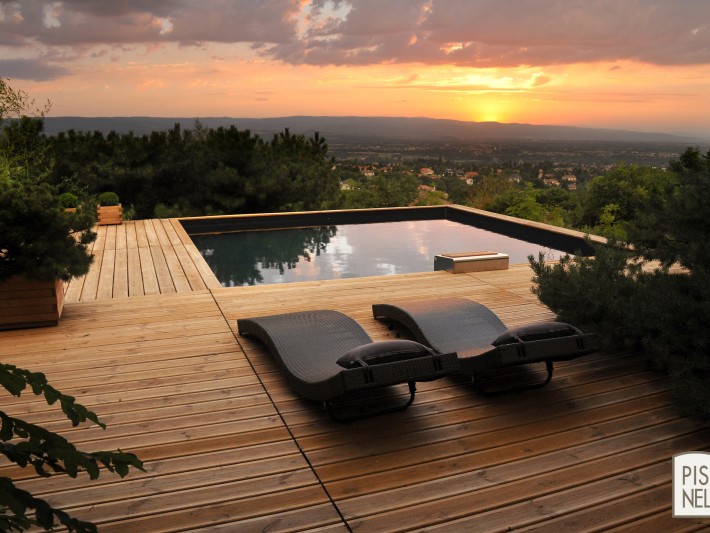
<point>69,201</point>
<point>40,247</point>
<point>40,244</point>
<point>109,210</point>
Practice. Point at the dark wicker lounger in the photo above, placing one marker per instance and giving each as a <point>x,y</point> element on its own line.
<point>480,338</point>
<point>326,354</point>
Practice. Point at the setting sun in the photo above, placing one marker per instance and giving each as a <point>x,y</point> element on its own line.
<point>490,108</point>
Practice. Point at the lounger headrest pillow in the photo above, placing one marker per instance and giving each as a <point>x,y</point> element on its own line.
<point>381,352</point>
<point>535,332</point>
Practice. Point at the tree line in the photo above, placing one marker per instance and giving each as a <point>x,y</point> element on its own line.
<point>206,171</point>
<point>197,172</point>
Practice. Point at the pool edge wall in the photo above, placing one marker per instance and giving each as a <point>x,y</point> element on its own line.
<point>570,241</point>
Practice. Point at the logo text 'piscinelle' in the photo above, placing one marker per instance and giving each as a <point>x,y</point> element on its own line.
<point>691,484</point>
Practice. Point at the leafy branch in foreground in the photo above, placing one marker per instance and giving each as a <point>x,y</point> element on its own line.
<point>47,452</point>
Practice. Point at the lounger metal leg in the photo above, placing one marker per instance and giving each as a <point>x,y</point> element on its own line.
<point>549,367</point>
<point>331,407</point>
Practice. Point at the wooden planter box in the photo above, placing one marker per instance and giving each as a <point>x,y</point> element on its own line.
<point>110,214</point>
<point>28,304</point>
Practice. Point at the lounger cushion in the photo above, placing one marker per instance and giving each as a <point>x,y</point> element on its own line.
<point>535,332</point>
<point>382,352</point>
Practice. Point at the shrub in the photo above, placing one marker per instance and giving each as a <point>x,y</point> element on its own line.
<point>108,198</point>
<point>68,200</point>
<point>663,312</point>
<point>37,238</point>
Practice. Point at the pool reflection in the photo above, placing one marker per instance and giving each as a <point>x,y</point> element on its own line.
<point>253,257</point>
<point>348,251</point>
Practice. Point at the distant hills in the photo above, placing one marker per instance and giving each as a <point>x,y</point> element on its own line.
<point>369,129</point>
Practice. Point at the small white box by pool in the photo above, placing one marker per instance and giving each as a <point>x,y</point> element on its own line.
<point>471,262</point>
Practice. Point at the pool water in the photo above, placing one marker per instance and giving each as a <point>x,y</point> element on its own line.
<point>349,250</point>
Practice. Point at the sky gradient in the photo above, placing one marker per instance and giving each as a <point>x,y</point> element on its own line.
<point>631,64</point>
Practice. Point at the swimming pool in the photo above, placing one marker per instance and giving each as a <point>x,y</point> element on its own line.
<point>348,250</point>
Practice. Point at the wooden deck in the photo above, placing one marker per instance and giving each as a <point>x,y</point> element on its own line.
<point>141,257</point>
<point>228,447</point>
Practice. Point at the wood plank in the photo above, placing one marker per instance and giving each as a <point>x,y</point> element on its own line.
<point>191,273</point>
<point>121,236</point>
<point>141,236</point>
<point>110,243</point>
<point>76,285</point>
<point>150,233</point>
<point>163,239</point>
<point>176,271</point>
<point>170,225</point>
<point>105,286</point>
<point>135,272</point>
<point>120,275</point>
<point>180,232</point>
<point>74,288</point>
<point>662,521</point>
<point>209,279</point>
<point>609,513</point>
<point>150,278</point>
<point>131,236</point>
<point>91,281</point>
<point>162,272</point>
<point>221,509</point>
<point>100,241</point>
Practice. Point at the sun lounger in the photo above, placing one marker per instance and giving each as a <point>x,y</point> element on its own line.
<point>480,338</point>
<point>326,355</point>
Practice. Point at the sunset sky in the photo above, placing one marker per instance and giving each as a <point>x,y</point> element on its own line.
<point>625,64</point>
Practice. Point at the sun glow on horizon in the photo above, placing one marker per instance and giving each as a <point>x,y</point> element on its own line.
<point>176,84</point>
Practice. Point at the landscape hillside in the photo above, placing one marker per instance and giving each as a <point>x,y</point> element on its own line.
<point>358,129</point>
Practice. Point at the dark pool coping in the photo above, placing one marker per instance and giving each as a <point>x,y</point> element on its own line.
<point>570,241</point>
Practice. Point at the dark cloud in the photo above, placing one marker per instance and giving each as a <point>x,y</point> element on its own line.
<point>484,33</point>
<point>123,7</point>
<point>30,69</point>
<point>476,33</point>
<point>75,22</point>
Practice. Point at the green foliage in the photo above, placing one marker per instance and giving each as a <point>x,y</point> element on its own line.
<point>623,193</point>
<point>551,206</point>
<point>27,444</point>
<point>456,189</point>
<point>391,190</point>
<point>180,209</point>
<point>201,172</point>
<point>68,200</point>
<point>487,189</point>
<point>108,198</point>
<point>37,238</point>
<point>593,293</point>
<point>663,311</point>
<point>675,226</point>
<point>432,198</point>
<point>609,224</point>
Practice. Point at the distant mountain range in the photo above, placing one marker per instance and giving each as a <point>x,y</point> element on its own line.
<point>369,129</point>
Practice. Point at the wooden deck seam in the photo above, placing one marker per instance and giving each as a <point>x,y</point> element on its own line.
<point>295,440</point>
